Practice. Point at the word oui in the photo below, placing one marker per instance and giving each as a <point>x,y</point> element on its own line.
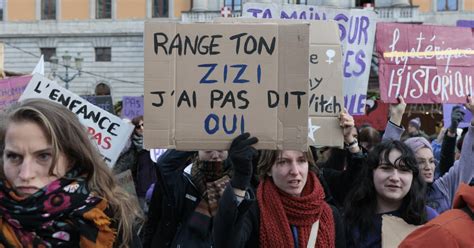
<point>209,44</point>
<point>212,124</point>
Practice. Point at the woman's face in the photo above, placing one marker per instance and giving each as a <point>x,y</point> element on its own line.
<point>139,128</point>
<point>290,172</point>
<point>392,183</point>
<point>27,158</point>
<point>426,164</point>
<point>212,155</point>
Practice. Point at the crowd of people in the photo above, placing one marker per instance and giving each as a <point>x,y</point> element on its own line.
<point>56,191</point>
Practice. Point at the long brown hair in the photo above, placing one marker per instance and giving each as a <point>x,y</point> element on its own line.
<point>269,157</point>
<point>67,135</point>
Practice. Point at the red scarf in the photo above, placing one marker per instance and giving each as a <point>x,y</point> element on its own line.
<point>279,210</point>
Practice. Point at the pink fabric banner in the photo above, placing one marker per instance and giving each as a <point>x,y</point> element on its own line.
<point>425,64</point>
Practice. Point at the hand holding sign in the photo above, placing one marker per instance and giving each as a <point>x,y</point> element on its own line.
<point>241,154</point>
<point>397,111</point>
<point>456,117</point>
<point>346,121</point>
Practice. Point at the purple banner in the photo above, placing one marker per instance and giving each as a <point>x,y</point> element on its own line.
<point>465,23</point>
<point>11,89</point>
<point>132,106</point>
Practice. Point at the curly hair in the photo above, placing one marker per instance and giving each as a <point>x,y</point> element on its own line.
<point>361,203</point>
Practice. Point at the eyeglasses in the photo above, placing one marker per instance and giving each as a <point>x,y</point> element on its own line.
<point>139,125</point>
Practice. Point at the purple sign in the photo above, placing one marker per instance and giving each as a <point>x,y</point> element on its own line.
<point>132,106</point>
<point>11,89</point>
<point>447,109</point>
<point>356,32</point>
<point>465,23</point>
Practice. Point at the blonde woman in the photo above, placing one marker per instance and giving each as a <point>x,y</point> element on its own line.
<point>55,189</point>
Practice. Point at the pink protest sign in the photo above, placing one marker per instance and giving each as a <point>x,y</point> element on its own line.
<point>11,89</point>
<point>425,64</point>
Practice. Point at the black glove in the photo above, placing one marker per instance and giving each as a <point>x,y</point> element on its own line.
<point>457,115</point>
<point>241,154</point>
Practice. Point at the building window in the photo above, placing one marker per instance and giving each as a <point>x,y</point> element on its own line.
<point>360,3</point>
<point>103,9</point>
<point>160,8</point>
<point>447,5</point>
<point>103,54</point>
<point>235,5</point>
<point>48,52</point>
<point>305,2</point>
<point>48,9</point>
<point>1,9</point>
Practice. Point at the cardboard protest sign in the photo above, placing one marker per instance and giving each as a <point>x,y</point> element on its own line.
<point>11,89</point>
<point>425,64</point>
<point>207,83</point>
<point>376,115</point>
<point>395,230</point>
<point>448,108</point>
<point>357,31</point>
<point>108,131</point>
<point>132,106</point>
<point>103,102</point>
<point>331,134</point>
<point>325,82</point>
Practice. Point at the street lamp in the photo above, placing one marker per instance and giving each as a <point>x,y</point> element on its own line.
<point>66,62</point>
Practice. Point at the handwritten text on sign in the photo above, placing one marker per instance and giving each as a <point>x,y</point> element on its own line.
<point>357,29</point>
<point>132,106</point>
<point>108,131</point>
<point>11,89</point>
<point>207,83</point>
<point>213,75</point>
<point>425,64</point>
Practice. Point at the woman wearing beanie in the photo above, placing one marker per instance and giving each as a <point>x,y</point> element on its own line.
<point>441,191</point>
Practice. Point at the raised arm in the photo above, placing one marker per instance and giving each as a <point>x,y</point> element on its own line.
<point>394,128</point>
<point>463,170</point>
<point>448,146</point>
<point>233,225</point>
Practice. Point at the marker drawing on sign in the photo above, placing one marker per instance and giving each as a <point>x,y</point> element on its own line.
<point>312,129</point>
<point>330,53</point>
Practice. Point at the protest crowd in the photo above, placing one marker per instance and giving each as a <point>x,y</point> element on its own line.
<point>291,170</point>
